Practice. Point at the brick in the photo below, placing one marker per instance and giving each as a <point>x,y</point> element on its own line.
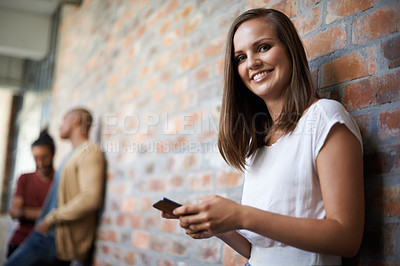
<point>144,204</point>
<point>170,38</point>
<point>372,91</point>
<point>187,101</point>
<point>227,179</point>
<point>190,61</point>
<point>130,258</point>
<point>219,63</point>
<point>172,5</point>
<point>128,205</point>
<point>388,201</point>
<point>156,184</point>
<point>381,22</point>
<point>201,182</point>
<point>106,220</point>
<point>365,124</point>
<point>349,67</point>
<point>214,47</point>
<point>105,249</point>
<point>203,74</point>
<point>209,251</point>
<point>231,258</point>
<point>309,22</point>
<point>289,7</point>
<point>339,9</point>
<point>112,236</point>
<point>165,26</point>
<point>330,94</point>
<point>166,75</point>
<point>326,42</point>
<point>360,95</point>
<point>176,182</point>
<point>144,72</point>
<point>162,61</point>
<point>144,259</point>
<point>135,220</point>
<point>140,32</point>
<point>120,220</point>
<point>152,222</point>
<point>156,17</point>
<point>256,3</point>
<point>170,226</point>
<point>179,246</point>
<point>380,239</point>
<point>389,124</point>
<point>309,3</point>
<point>117,253</point>
<point>165,262</point>
<point>382,162</point>
<point>179,86</point>
<point>192,24</point>
<point>125,237</point>
<point>157,96</point>
<point>190,162</point>
<point>186,11</point>
<point>101,235</point>
<point>141,240</point>
<point>158,243</point>
<point>391,51</point>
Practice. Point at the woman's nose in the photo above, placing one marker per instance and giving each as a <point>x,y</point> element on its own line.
<point>253,61</point>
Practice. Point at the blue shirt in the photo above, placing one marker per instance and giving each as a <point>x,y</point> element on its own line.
<point>51,198</point>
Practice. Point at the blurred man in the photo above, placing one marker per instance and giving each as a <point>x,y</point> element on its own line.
<point>67,225</point>
<point>32,189</point>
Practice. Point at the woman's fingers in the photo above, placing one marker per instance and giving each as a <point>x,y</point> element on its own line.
<point>186,210</point>
<point>167,215</point>
<point>199,234</point>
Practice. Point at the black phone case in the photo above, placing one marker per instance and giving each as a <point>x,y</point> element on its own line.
<point>166,205</point>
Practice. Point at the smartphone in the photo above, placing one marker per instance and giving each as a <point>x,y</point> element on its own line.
<point>166,205</point>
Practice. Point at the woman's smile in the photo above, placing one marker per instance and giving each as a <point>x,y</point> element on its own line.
<point>261,75</point>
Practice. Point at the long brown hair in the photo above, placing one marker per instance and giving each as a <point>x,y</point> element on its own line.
<point>245,122</point>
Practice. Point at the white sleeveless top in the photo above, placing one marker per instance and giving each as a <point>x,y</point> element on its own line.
<point>283,179</point>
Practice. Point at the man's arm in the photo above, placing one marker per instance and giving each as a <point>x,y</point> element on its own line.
<point>16,207</point>
<point>91,180</point>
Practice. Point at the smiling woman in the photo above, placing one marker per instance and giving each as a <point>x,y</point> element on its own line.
<point>303,197</point>
<point>263,63</point>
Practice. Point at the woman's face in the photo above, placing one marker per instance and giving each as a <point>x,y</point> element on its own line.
<point>262,61</point>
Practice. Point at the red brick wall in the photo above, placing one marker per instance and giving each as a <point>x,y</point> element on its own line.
<point>151,71</point>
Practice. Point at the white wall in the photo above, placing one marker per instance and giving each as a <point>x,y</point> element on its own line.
<point>24,34</point>
<point>5,111</point>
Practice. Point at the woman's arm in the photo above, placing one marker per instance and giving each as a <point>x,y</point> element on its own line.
<point>237,242</point>
<point>340,170</point>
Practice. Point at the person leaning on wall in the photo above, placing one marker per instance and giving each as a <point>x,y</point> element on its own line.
<point>32,189</point>
<point>303,194</point>
<point>66,228</point>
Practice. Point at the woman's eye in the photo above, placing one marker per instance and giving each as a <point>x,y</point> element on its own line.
<point>264,48</point>
<point>240,59</point>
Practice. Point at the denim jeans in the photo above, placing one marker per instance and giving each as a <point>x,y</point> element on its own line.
<point>37,249</point>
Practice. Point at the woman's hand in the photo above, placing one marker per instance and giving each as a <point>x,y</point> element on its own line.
<point>213,215</point>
